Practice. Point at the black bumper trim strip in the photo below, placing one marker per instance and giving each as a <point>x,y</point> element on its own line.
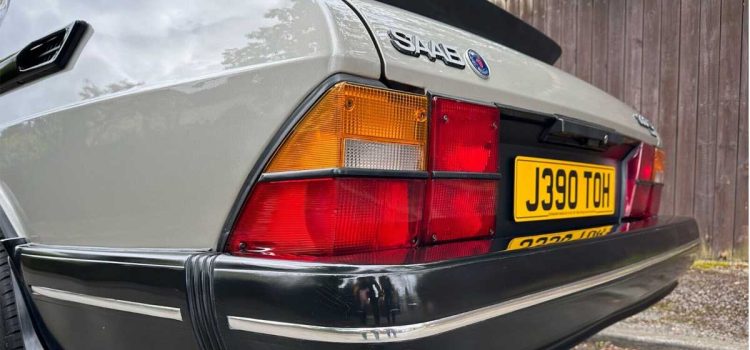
<point>446,324</point>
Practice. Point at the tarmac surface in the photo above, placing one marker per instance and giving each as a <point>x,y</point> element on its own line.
<point>708,310</point>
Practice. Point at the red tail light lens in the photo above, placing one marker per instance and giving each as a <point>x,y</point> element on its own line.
<point>450,250</point>
<point>460,209</point>
<point>643,164</point>
<point>329,216</point>
<point>654,201</point>
<point>464,136</point>
<point>453,250</point>
<point>645,174</point>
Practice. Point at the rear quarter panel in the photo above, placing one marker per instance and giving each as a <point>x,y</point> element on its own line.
<point>147,140</point>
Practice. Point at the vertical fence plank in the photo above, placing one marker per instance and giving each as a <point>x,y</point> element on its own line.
<point>599,44</point>
<point>554,25</point>
<point>513,7</point>
<point>687,107</point>
<point>616,48</point>
<point>569,29</point>
<point>741,214</point>
<point>583,40</point>
<point>539,15</point>
<point>726,137</point>
<point>503,4</point>
<point>527,11</point>
<point>668,86</point>
<point>708,104</point>
<point>633,53</point>
<point>651,59</point>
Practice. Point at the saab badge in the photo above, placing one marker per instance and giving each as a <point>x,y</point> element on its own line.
<point>478,64</point>
<point>644,122</point>
<point>413,45</point>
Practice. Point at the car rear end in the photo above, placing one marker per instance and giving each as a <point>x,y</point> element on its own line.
<point>417,187</point>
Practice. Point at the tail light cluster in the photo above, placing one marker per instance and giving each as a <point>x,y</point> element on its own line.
<point>370,169</point>
<point>408,189</point>
<point>644,183</point>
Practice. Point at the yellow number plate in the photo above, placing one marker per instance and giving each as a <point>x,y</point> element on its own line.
<point>560,237</point>
<point>547,189</point>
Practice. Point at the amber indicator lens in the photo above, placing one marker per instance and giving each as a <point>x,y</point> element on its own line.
<point>658,172</point>
<point>358,126</point>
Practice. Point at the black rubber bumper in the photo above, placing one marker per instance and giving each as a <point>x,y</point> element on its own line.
<point>377,300</point>
<point>538,298</point>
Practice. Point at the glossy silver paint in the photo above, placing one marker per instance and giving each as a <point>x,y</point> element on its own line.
<point>516,80</point>
<point>147,140</point>
<point>3,9</point>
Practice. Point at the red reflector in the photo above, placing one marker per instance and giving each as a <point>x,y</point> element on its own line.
<point>460,209</point>
<point>638,199</point>
<point>464,136</point>
<point>643,194</point>
<point>641,166</point>
<point>328,217</point>
<point>438,252</point>
<point>654,201</point>
<point>454,250</point>
<point>383,257</point>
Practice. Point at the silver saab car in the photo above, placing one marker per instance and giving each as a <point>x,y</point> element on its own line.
<point>329,174</point>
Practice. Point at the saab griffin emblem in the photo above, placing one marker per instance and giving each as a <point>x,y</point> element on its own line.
<point>478,65</point>
<point>644,122</point>
<point>414,46</point>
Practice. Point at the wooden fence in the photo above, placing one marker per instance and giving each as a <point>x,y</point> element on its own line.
<point>683,64</point>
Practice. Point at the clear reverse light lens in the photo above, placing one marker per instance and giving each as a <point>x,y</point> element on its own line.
<point>381,155</point>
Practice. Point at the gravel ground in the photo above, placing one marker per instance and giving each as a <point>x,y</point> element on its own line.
<point>709,304</point>
<point>599,345</point>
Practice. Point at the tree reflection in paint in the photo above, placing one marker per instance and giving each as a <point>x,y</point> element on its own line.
<point>279,41</point>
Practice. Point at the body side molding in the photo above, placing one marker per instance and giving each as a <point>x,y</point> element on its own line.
<point>109,303</point>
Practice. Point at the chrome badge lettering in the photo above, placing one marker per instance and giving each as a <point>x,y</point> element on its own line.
<point>644,122</point>
<point>412,45</point>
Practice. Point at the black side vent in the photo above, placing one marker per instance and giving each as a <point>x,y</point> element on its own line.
<point>41,51</point>
<point>42,57</point>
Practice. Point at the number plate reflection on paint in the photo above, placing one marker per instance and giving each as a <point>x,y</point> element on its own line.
<point>547,189</point>
<point>560,237</point>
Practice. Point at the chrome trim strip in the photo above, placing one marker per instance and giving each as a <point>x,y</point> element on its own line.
<point>429,328</point>
<point>99,261</point>
<point>108,303</point>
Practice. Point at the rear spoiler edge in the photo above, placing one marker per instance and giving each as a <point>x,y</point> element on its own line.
<point>489,21</point>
